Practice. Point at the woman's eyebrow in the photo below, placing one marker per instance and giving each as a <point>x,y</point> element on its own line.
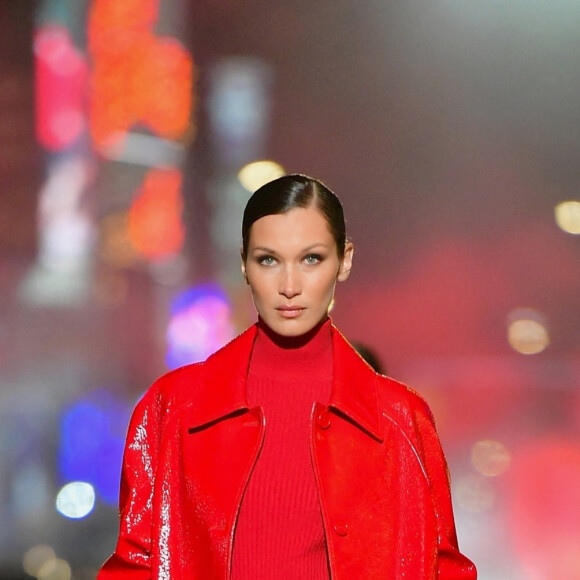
<point>263,249</point>
<point>306,249</point>
<point>316,245</point>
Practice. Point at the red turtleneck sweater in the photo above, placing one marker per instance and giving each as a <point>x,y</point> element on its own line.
<point>279,532</point>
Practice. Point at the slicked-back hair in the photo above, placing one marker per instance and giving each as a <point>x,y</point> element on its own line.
<point>291,191</point>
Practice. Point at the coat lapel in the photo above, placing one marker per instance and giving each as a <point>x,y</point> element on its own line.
<point>354,387</point>
<point>222,386</point>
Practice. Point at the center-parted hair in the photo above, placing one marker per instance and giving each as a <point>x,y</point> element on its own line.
<point>289,192</point>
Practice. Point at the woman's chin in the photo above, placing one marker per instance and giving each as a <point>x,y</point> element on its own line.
<point>292,327</point>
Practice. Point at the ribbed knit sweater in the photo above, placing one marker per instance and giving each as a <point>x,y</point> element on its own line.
<point>279,532</point>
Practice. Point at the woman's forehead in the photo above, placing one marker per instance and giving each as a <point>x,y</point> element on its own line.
<point>296,227</point>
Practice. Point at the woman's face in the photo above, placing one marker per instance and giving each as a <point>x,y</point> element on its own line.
<point>292,267</point>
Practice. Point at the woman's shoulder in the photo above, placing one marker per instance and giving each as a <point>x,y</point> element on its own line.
<point>177,383</point>
<point>169,392</point>
<point>181,386</point>
<point>401,399</point>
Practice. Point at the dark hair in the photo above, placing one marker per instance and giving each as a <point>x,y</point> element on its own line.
<point>370,356</point>
<point>291,191</point>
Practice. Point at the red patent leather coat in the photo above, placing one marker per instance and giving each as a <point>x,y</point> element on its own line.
<point>381,475</point>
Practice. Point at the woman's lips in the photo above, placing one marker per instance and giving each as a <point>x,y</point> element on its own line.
<point>290,311</point>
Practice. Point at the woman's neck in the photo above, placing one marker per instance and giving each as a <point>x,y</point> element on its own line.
<point>305,356</point>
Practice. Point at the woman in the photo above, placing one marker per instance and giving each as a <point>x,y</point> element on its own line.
<point>284,455</point>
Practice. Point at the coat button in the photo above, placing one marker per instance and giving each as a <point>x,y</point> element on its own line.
<point>323,420</point>
<point>341,529</point>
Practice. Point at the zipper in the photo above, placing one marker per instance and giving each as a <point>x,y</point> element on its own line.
<point>246,479</point>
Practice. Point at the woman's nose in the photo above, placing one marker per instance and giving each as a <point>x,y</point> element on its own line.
<point>290,284</point>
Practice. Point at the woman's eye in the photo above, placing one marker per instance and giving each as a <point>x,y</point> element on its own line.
<point>266,260</point>
<point>313,259</point>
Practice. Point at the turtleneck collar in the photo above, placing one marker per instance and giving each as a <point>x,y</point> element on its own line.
<point>308,356</point>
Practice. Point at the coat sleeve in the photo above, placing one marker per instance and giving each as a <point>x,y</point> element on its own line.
<point>452,565</point>
<point>132,555</point>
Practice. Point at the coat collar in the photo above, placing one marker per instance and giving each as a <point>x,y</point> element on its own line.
<point>223,384</point>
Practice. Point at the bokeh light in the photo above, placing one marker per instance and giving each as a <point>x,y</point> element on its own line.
<point>527,333</point>
<point>76,500</point>
<point>253,175</point>
<point>92,433</point>
<point>490,458</point>
<point>200,323</point>
<point>567,215</point>
<point>57,569</point>
<point>36,557</point>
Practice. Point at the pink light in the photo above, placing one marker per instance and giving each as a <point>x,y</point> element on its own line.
<point>61,74</point>
<point>544,508</point>
<point>200,324</point>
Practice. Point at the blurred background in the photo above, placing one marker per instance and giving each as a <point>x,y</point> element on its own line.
<point>132,132</point>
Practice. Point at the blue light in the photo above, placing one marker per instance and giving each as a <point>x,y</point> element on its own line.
<point>92,433</point>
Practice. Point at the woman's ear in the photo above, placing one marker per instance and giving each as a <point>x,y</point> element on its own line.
<point>243,268</point>
<point>346,263</point>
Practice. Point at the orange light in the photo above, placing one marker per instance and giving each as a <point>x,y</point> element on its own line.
<point>109,114</point>
<point>171,74</point>
<point>138,78</point>
<point>111,22</point>
<point>155,227</point>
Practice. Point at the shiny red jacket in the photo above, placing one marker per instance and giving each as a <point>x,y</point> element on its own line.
<point>381,475</point>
